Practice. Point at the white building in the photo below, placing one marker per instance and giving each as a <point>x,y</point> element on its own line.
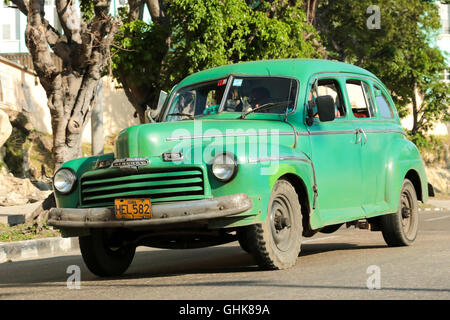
<point>19,86</point>
<point>443,40</point>
<point>13,24</point>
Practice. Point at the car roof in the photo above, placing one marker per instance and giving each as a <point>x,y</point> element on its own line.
<point>301,69</point>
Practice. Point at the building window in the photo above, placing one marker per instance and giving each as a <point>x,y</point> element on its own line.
<point>6,32</point>
<point>444,12</point>
<point>18,24</point>
<point>446,75</point>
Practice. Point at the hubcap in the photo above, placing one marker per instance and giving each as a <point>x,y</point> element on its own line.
<point>280,222</point>
<point>407,214</point>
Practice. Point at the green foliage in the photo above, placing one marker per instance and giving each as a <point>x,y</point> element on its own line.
<point>139,51</point>
<point>209,33</point>
<point>27,231</point>
<point>87,10</point>
<point>401,53</point>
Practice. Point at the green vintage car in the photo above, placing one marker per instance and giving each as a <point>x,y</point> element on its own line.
<point>265,153</point>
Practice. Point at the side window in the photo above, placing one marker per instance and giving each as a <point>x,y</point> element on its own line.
<point>327,87</point>
<point>368,94</point>
<point>383,104</point>
<point>360,99</point>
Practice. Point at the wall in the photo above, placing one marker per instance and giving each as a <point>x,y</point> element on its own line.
<point>20,90</point>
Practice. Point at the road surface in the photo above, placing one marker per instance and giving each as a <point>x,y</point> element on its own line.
<point>330,266</point>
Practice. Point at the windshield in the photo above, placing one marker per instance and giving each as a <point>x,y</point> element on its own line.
<point>197,100</point>
<point>243,95</point>
<point>247,94</point>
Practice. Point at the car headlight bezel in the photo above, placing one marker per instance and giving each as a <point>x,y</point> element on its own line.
<point>218,165</point>
<point>70,180</point>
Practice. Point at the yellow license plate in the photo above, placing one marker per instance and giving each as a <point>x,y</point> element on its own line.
<point>133,208</point>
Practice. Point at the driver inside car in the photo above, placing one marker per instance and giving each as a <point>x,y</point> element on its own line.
<point>258,97</point>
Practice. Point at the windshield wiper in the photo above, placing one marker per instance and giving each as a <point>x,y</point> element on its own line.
<point>182,114</point>
<point>265,106</point>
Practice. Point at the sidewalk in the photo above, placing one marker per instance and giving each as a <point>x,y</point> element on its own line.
<point>13,215</point>
<point>36,249</point>
<point>442,204</point>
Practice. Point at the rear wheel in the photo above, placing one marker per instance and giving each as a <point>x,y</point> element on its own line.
<point>104,254</point>
<point>275,244</point>
<point>400,228</point>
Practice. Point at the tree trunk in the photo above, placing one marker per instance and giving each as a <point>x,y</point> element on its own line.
<point>144,95</point>
<point>84,49</point>
<point>414,129</point>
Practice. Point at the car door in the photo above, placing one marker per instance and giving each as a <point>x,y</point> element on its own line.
<point>364,113</point>
<point>336,157</point>
<point>377,128</point>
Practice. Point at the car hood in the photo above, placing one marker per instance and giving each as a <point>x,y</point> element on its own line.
<point>153,139</point>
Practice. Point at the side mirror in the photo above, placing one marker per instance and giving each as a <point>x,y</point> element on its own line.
<point>325,108</point>
<point>152,114</point>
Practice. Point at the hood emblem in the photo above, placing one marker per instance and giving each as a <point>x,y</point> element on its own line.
<point>172,156</point>
<point>129,163</point>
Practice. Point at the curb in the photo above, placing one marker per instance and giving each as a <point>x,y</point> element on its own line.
<point>34,249</point>
<point>433,209</point>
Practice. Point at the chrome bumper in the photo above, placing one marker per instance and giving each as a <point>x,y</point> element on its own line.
<point>162,213</point>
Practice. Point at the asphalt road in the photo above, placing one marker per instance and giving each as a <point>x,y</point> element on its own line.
<point>333,266</point>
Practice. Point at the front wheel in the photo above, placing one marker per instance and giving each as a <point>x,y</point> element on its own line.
<point>400,228</point>
<point>275,244</point>
<point>104,254</point>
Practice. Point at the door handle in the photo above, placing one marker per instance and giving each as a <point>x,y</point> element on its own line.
<point>359,137</point>
<point>365,136</point>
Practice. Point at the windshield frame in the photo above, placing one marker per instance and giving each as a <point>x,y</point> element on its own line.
<point>229,78</point>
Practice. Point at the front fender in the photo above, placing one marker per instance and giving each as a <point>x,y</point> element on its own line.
<point>256,177</point>
<point>79,166</point>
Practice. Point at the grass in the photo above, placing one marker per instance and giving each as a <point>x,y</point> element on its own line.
<point>441,196</point>
<point>86,148</point>
<point>26,232</point>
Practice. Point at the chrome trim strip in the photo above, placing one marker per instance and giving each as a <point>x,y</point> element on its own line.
<point>386,131</point>
<point>281,133</point>
<point>277,158</point>
<point>319,133</point>
<point>218,135</point>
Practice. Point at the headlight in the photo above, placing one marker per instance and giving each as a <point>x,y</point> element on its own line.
<point>224,167</point>
<point>64,180</point>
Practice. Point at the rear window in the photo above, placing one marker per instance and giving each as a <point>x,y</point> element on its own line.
<point>383,104</point>
<point>360,99</point>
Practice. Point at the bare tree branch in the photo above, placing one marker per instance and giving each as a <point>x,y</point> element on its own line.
<point>136,8</point>
<point>22,5</point>
<point>70,20</point>
<point>38,46</point>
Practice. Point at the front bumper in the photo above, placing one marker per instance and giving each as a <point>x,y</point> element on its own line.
<point>162,213</point>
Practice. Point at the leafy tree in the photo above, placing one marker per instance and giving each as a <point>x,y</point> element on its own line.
<point>401,53</point>
<point>82,49</point>
<point>191,35</point>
